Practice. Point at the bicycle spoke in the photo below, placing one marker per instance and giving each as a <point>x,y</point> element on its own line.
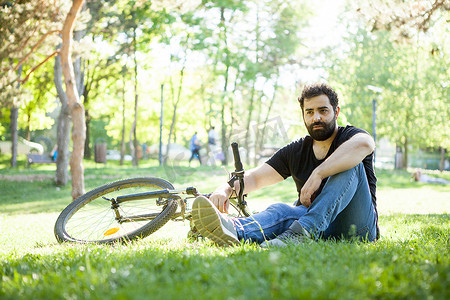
<point>96,218</point>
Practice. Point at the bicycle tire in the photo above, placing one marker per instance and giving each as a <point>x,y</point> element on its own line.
<point>90,219</point>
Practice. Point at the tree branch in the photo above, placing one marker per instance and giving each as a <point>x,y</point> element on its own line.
<point>34,48</point>
<point>427,14</point>
<point>36,67</point>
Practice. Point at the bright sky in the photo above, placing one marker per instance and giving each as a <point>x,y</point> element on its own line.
<point>325,24</point>
<point>324,30</point>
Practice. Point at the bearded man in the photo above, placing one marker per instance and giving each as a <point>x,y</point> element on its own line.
<point>333,171</point>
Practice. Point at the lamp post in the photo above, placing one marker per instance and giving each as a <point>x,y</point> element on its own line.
<point>374,112</point>
<point>161,125</point>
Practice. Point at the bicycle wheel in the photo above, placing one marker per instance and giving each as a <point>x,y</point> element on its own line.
<point>93,218</point>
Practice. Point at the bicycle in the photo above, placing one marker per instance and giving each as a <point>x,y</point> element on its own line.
<point>134,208</point>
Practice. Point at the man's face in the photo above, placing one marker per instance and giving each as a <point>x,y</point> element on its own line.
<point>319,117</point>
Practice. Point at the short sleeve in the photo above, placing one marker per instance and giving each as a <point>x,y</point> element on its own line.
<point>281,160</point>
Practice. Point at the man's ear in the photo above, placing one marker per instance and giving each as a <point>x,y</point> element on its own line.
<point>338,109</point>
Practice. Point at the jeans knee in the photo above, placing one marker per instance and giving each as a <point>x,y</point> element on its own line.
<point>357,171</point>
<point>277,206</point>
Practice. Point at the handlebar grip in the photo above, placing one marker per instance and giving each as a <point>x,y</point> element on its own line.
<point>237,158</point>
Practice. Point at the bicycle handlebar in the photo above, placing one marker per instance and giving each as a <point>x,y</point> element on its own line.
<point>237,159</point>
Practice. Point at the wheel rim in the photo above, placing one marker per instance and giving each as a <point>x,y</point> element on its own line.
<point>95,221</point>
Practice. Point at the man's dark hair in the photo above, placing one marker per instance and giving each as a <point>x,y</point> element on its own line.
<point>317,89</point>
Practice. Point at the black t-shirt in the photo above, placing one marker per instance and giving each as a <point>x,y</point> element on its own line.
<point>297,159</point>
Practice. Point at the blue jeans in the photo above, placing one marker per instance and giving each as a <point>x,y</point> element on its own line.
<point>343,209</point>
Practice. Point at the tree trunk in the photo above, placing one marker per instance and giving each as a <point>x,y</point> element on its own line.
<point>78,63</point>
<point>13,123</point>
<point>252,95</point>
<point>174,115</point>
<point>225,87</point>
<point>62,141</point>
<point>63,128</point>
<point>87,147</point>
<point>405,154</point>
<point>249,120</point>
<point>75,106</point>
<point>256,128</point>
<point>85,91</point>
<point>442,161</point>
<point>224,136</point>
<point>260,134</point>
<point>233,119</point>
<point>122,142</point>
<point>222,114</point>
<point>136,98</point>
<point>28,128</point>
<point>398,157</point>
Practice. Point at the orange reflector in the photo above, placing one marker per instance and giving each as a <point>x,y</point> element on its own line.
<point>111,231</point>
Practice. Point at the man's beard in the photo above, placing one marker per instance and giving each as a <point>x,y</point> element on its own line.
<point>324,133</point>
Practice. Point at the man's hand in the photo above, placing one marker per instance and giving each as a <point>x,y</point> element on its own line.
<point>309,188</point>
<point>254,179</point>
<point>220,198</point>
<point>346,156</point>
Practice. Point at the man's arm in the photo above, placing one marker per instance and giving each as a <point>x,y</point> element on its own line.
<point>348,155</point>
<point>254,179</point>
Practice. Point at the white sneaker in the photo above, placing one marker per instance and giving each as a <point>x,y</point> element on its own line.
<point>211,223</point>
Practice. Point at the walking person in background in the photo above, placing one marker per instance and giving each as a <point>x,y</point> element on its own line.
<point>54,153</point>
<point>332,168</point>
<point>194,146</point>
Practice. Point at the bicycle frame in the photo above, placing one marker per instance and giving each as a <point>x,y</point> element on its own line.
<point>166,195</point>
<point>161,194</point>
<point>240,204</point>
<point>90,219</point>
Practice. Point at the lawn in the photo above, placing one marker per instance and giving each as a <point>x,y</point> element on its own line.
<point>411,260</point>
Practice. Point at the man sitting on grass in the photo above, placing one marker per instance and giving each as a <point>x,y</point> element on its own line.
<point>332,168</point>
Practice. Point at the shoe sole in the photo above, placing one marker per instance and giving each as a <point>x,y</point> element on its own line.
<point>208,223</point>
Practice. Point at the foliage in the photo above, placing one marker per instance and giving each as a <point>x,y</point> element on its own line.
<point>414,80</point>
<point>237,64</point>
<point>403,18</point>
<point>28,34</point>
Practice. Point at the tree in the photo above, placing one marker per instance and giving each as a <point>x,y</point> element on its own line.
<point>62,127</point>
<point>38,101</point>
<point>414,87</point>
<point>420,32</point>
<point>139,24</point>
<point>27,30</point>
<point>73,100</point>
<point>403,18</point>
<point>279,48</point>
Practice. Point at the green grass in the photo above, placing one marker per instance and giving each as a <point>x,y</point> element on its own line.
<point>410,261</point>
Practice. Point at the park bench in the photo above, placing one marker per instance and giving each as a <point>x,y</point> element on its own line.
<point>33,158</point>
